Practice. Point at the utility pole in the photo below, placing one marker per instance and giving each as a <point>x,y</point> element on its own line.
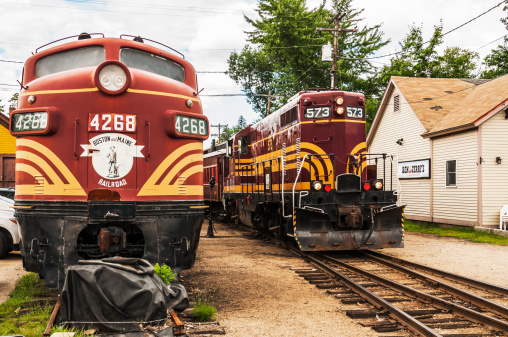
<point>269,99</point>
<point>335,32</point>
<point>219,126</point>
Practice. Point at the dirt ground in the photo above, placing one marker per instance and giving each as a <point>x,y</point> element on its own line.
<point>258,295</point>
<point>10,271</point>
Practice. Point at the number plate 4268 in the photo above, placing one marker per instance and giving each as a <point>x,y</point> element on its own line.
<point>112,122</point>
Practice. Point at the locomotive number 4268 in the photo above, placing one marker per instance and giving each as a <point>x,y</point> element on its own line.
<point>112,122</point>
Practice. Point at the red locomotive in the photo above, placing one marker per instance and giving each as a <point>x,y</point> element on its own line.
<point>302,172</point>
<point>109,155</point>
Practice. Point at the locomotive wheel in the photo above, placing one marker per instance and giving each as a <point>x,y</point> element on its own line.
<point>4,245</point>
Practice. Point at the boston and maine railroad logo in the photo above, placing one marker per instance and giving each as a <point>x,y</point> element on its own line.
<point>112,154</point>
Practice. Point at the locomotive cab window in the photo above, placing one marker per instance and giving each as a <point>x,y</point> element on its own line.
<point>138,59</point>
<point>242,145</point>
<point>70,59</point>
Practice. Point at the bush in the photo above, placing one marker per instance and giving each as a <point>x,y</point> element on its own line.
<point>204,311</point>
<point>164,272</point>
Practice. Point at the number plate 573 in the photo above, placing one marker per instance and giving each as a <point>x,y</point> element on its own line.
<point>112,122</point>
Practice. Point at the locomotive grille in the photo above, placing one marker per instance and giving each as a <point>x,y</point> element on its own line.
<point>348,182</point>
<point>297,154</point>
<point>284,157</point>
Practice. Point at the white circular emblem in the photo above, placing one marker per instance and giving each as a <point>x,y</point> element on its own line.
<point>112,155</point>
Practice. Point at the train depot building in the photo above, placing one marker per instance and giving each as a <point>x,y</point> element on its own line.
<point>449,142</point>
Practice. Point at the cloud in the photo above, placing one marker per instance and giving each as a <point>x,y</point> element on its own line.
<point>207,32</point>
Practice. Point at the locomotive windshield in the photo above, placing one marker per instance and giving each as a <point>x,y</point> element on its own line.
<point>70,59</point>
<point>138,59</point>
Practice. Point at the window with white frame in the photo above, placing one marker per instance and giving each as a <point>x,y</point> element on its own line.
<point>451,173</point>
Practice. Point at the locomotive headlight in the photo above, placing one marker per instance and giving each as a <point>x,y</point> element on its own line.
<point>339,100</point>
<point>378,184</point>
<point>112,77</point>
<point>317,185</point>
<point>340,110</point>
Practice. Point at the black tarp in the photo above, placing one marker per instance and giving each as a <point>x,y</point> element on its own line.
<point>116,295</point>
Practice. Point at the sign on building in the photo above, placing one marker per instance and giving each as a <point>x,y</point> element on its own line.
<point>417,169</point>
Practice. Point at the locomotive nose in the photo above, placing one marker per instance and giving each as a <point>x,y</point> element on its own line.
<point>112,77</point>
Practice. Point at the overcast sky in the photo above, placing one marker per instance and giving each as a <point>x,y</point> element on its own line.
<point>208,31</point>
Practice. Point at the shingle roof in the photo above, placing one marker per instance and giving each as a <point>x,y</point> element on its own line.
<point>432,99</point>
<point>480,101</point>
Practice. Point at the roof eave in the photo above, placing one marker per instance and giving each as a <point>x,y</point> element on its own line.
<point>449,131</point>
<point>4,121</point>
<point>375,123</point>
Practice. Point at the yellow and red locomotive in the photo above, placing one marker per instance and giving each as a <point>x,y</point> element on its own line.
<point>302,172</point>
<point>108,156</point>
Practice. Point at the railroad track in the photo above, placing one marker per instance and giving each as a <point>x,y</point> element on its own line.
<point>399,295</point>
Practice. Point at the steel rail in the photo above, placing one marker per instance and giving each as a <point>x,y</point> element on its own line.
<point>407,320</point>
<point>52,319</point>
<point>462,279</point>
<point>430,299</point>
<point>477,300</point>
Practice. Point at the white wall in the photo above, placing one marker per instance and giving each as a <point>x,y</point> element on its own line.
<point>494,141</point>
<point>415,193</point>
<point>456,205</point>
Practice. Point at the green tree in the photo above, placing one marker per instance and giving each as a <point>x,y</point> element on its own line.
<point>2,107</point>
<point>14,99</point>
<point>284,52</point>
<point>457,63</point>
<point>496,63</point>
<point>419,59</point>
<point>242,122</point>
<point>416,58</point>
<point>229,132</point>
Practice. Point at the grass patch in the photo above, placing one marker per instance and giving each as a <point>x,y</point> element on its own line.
<point>78,332</point>
<point>32,324</point>
<point>204,311</point>
<point>467,233</point>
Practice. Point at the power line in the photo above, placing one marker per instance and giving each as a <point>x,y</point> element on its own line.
<point>448,32</point>
<point>9,61</point>
<point>491,42</point>
<point>106,10</point>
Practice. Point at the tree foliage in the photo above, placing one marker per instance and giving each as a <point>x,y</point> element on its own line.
<point>419,58</point>
<point>496,63</point>
<point>284,54</point>
<point>229,132</point>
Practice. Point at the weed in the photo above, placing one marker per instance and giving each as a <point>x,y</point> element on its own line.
<point>164,272</point>
<point>34,322</point>
<point>78,332</point>
<point>467,233</point>
<point>204,311</point>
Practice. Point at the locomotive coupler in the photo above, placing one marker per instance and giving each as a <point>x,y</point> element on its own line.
<point>112,240</point>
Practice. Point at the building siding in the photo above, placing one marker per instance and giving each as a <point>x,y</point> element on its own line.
<point>456,205</point>
<point>414,193</point>
<point>494,144</point>
<point>7,142</point>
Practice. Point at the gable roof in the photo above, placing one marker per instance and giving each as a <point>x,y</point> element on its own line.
<point>446,105</point>
<point>481,101</point>
<point>4,120</point>
<point>432,99</point>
